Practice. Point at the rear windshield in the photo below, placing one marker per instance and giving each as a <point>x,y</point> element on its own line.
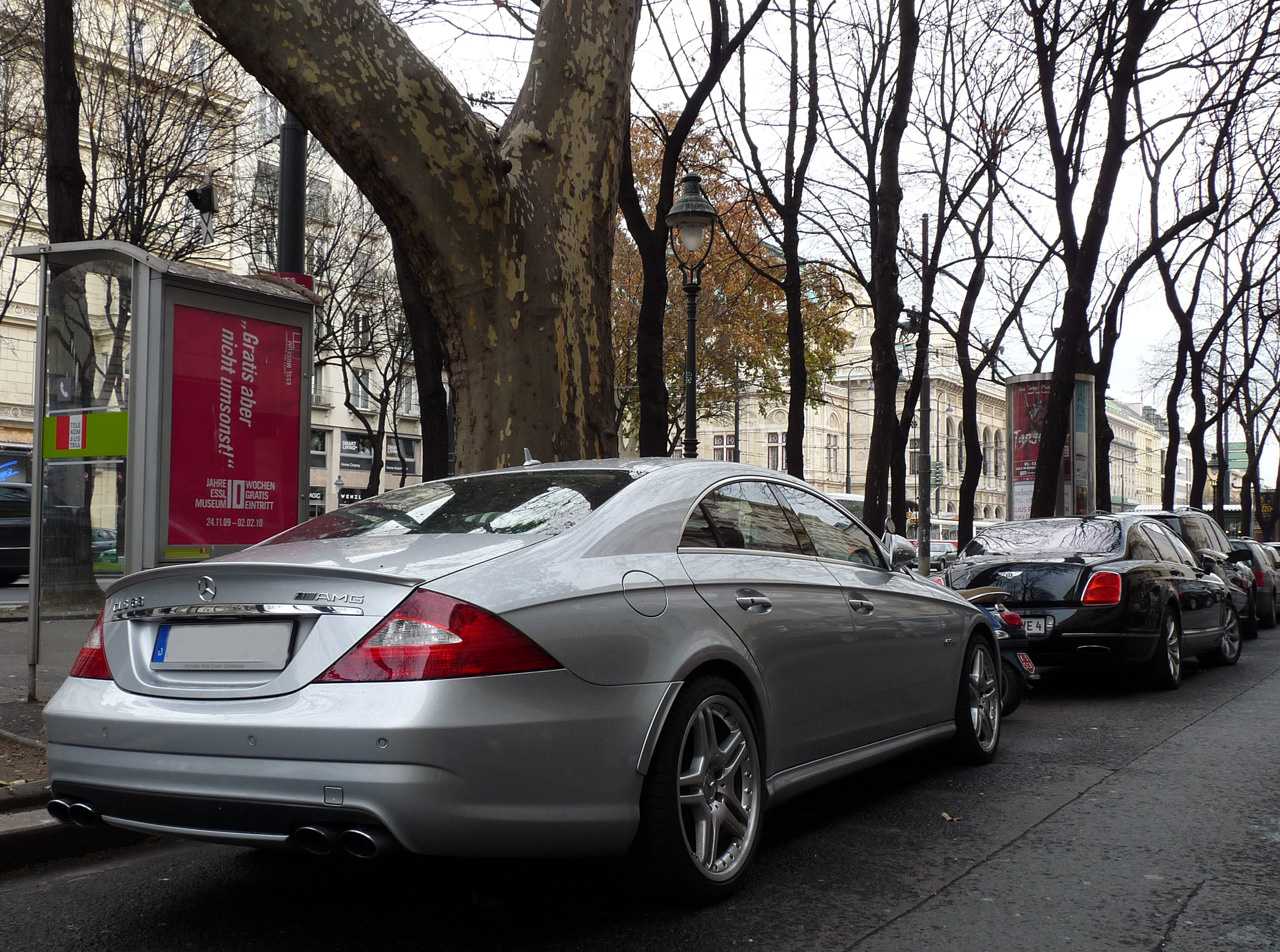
<point>1075,536</point>
<point>510,503</point>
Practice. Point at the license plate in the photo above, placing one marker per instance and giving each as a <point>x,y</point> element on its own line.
<point>1033,626</point>
<point>253,646</point>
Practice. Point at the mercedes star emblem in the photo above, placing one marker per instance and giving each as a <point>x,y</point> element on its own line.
<point>206,588</point>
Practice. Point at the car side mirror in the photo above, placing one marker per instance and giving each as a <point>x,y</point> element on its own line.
<point>902,555</point>
<point>1208,558</point>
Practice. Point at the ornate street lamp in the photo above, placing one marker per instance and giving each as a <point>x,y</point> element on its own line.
<point>692,222</point>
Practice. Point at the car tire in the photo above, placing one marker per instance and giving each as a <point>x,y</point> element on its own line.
<point>1269,616</point>
<point>1249,620</point>
<point>703,797</point>
<point>1164,670</point>
<point>1013,687</point>
<point>1228,650</point>
<point>977,705</point>
<point>9,578</point>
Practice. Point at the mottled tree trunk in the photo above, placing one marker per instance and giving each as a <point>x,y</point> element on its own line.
<point>509,234</point>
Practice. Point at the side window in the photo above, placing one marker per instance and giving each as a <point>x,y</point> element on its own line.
<point>1163,543</point>
<point>748,515</point>
<point>1217,537</point>
<point>1183,553</point>
<point>834,534</point>
<point>1194,535</point>
<point>1140,547</point>
<point>15,502</point>
<point>697,531</point>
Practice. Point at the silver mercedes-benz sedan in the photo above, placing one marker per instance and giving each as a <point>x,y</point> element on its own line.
<point>563,659</point>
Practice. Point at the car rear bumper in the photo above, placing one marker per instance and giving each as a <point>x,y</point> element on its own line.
<point>1093,648</point>
<point>517,765</point>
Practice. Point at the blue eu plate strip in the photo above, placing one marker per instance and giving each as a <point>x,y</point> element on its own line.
<point>162,642</point>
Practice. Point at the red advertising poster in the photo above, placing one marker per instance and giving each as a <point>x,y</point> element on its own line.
<point>234,440</point>
<point>1028,402</point>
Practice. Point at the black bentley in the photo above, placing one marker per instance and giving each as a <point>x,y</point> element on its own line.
<point>1105,590</point>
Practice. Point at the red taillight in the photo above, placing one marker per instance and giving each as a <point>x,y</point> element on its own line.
<point>91,662</point>
<point>1103,589</point>
<point>1012,619</point>
<point>1259,577</point>
<point>431,636</point>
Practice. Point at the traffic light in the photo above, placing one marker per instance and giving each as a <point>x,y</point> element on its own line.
<point>204,198</point>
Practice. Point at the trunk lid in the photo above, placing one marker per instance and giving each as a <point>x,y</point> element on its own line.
<point>1027,582</point>
<point>243,627</point>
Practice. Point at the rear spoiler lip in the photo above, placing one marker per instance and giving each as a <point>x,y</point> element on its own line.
<point>197,569</point>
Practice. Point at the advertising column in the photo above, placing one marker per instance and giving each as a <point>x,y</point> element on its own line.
<point>234,454</point>
<point>1027,400</point>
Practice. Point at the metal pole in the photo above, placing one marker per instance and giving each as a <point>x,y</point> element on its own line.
<point>291,217</point>
<point>924,469</point>
<point>737,415</point>
<point>848,433</point>
<point>691,373</point>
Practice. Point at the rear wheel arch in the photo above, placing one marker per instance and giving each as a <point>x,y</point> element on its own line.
<point>739,679</point>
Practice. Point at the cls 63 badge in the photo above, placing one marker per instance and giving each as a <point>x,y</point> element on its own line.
<point>124,604</point>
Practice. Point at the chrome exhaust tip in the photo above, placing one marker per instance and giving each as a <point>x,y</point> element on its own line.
<point>364,844</point>
<point>83,815</point>
<point>316,840</point>
<point>60,810</point>
<point>1093,649</point>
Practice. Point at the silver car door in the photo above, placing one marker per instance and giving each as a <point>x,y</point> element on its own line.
<point>786,608</point>
<point>909,639</point>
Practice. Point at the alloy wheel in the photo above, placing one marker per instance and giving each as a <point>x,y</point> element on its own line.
<point>718,788</point>
<point>984,699</point>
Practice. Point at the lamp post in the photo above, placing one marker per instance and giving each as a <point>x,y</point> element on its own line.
<point>848,433</point>
<point>337,488</point>
<point>691,220</point>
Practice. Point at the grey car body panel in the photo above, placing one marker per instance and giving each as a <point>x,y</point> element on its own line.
<point>529,764</point>
<point>443,783</point>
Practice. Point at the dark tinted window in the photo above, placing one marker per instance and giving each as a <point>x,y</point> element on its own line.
<point>1180,550</point>
<point>1084,536</point>
<point>1140,547</point>
<point>1191,530</point>
<point>748,515</point>
<point>834,534</point>
<point>510,503</point>
<point>1163,542</point>
<point>698,531</point>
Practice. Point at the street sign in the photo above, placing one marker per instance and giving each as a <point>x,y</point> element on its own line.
<point>206,229</point>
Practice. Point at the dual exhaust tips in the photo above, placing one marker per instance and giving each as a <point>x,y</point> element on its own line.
<point>317,840</point>
<point>357,842</point>
<point>74,812</point>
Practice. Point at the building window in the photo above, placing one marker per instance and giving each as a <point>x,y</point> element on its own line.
<point>268,117</point>
<point>986,451</point>
<point>400,456</point>
<point>913,456</point>
<point>361,392</point>
<point>999,461</point>
<point>951,438</point>
<point>319,449</point>
<point>833,453</point>
<point>137,39</point>
<point>407,402</point>
<point>318,195</point>
<point>722,446</point>
<point>197,60</point>
<point>776,444</point>
<point>319,396</point>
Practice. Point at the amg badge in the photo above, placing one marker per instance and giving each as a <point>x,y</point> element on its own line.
<point>329,597</point>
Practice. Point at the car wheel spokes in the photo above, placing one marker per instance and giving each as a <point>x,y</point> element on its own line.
<point>718,788</point>
<point>984,699</point>
<point>1173,648</point>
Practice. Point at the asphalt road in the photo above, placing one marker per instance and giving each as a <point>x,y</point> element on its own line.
<point>1114,818</point>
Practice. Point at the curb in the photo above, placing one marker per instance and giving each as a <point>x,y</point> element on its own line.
<point>25,741</point>
<point>19,796</point>
<point>29,837</point>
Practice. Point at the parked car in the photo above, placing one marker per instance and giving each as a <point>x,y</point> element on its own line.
<point>1105,590</point>
<point>570,659</point>
<point>1266,578</point>
<point>103,540</point>
<point>1206,539</point>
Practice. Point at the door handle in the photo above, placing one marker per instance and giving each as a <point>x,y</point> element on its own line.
<point>752,601</point>
<point>862,606</point>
